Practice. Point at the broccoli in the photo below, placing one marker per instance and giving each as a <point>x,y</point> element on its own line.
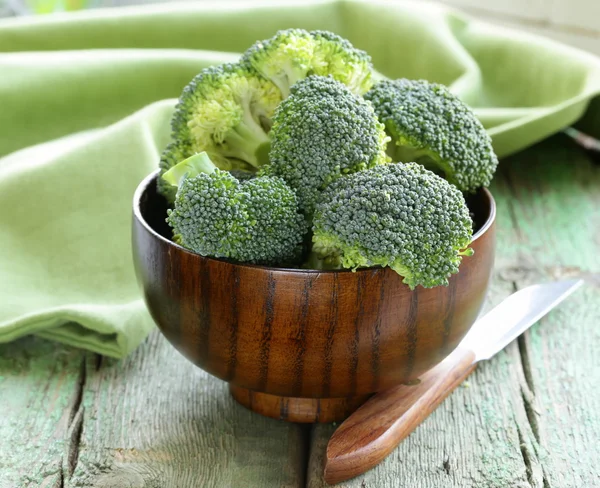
<point>254,221</point>
<point>321,132</point>
<point>174,153</point>
<point>226,111</point>
<point>343,61</point>
<point>398,215</point>
<point>430,125</point>
<point>226,108</point>
<point>294,54</point>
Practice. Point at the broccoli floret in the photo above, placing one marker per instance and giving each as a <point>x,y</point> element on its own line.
<point>294,54</point>
<point>321,132</point>
<point>398,215</point>
<point>254,221</point>
<point>226,111</point>
<point>340,59</point>
<point>430,125</point>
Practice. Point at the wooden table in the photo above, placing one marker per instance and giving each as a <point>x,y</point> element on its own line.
<point>528,418</point>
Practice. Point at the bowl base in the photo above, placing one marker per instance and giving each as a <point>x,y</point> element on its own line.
<point>296,409</point>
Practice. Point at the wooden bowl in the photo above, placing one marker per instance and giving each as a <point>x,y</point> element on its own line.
<point>304,345</point>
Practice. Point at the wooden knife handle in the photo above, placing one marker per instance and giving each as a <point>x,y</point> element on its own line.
<point>365,438</point>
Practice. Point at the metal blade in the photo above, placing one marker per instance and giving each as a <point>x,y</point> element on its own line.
<point>504,323</point>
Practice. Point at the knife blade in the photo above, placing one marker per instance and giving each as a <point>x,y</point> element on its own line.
<point>367,436</point>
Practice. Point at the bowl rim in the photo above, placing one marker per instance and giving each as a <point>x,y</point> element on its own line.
<point>147,181</point>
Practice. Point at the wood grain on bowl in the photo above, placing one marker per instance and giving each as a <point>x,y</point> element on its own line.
<point>304,334</point>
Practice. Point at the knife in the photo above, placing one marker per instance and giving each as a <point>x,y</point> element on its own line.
<point>367,436</point>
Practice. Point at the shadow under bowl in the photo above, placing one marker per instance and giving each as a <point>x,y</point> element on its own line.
<point>304,345</point>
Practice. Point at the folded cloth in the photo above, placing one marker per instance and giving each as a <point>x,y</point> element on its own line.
<point>85,102</point>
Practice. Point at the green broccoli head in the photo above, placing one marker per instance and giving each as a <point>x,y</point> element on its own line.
<point>398,215</point>
<point>294,54</point>
<point>430,125</point>
<point>226,111</point>
<point>340,59</point>
<point>253,221</point>
<point>321,132</point>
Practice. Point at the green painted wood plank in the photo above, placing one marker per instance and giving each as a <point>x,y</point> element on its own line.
<point>530,417</point>
<point>155,420</point>
<point>39,385</point>
<point>556,215</point>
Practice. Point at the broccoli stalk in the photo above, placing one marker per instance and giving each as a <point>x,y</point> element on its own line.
<point>190,167</point>
<point>398,215</point>
<point>254,221</point>
<point>245,139</point>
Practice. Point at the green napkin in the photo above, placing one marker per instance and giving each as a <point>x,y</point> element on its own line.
<point>85,102</point>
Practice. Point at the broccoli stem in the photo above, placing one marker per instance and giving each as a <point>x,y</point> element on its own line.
<point>316,261</point>
<point>248,142</point>
<point>290,75</point>
<point>190,167</point>
<point>283,84</point>
<point>408,154</point>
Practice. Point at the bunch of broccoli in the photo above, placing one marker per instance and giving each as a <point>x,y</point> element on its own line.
<point>292,157</point>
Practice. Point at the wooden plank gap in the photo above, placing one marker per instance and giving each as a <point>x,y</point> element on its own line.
<point>75,426</point>
<point>528,459</point>
<point>306,435</point>
<point>446,466</point>
<point>510,185</point>
<point>528,389</point>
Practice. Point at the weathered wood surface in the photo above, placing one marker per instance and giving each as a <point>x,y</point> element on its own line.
<point>155,420</point>
<point>530,418</point>
<point>152,420</point>
<point>38,397</point>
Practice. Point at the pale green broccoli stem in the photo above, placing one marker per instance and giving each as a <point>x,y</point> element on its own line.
<point>249,142</point>
<point>190,167</point>
<point>283,83</point>
<point>293,75</point>
<point>404,153</point>
<point>324,255</point>
<point>286,80</point>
